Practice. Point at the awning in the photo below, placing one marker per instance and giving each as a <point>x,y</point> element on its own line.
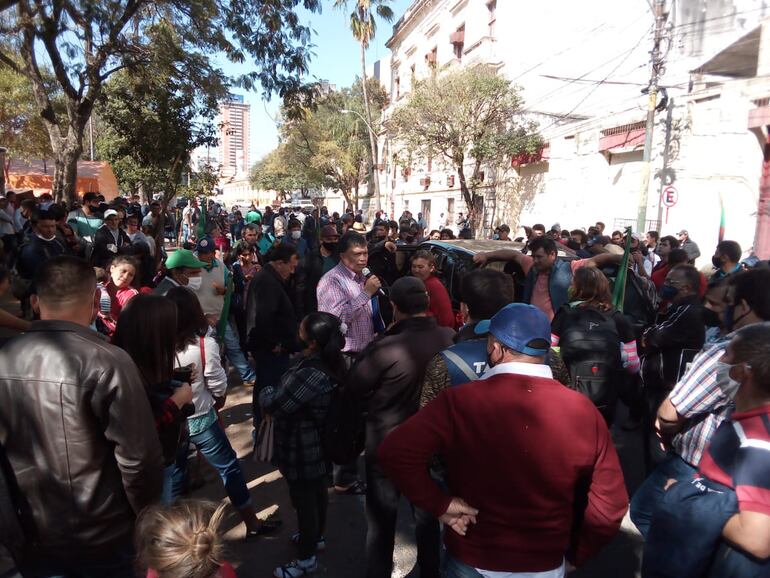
<point>93,176</point>
<point>739,60</point>
<point>627,136</point>
<point>541,155</point>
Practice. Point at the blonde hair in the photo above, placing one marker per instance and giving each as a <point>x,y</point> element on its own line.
<point>182,540</point>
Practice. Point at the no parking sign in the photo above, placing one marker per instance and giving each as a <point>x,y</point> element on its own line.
<point>669,198</point>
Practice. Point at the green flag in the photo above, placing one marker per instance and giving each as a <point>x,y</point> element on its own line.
<point>619,292</point>
<point>224,318</point>
<point>200,232</point>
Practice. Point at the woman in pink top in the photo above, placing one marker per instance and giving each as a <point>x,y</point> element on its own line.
<point>122,272</point>
<point>182,541</point>
<point>424,267</point>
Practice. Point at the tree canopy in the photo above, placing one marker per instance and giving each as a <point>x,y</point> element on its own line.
<point>148,131</point>
<point>325,148</point>
<point>472,118</point>
<point>84,42</point>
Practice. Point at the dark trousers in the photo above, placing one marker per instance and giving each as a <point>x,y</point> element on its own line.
<point>269,368</point>
<point>382,499</point>
<point>310,499</point>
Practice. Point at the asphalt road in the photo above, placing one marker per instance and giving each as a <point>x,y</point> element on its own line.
<point>346,528</point>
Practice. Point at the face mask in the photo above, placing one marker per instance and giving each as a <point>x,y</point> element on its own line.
<point>715,262</point>
<point>194,283</point>
<point>668,292</point>
<point>730,319</point>
<point>296,235</point>
<point>265,228</point>
<point>48,239</point>
<point>710,318</point>
<point>726,383</point>
<point>330,246</point>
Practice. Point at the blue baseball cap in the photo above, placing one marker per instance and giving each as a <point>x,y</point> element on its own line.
<point>205,245</point>
<point>520,327</point>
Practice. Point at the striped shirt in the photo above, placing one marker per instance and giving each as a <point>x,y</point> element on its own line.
<point>739,457</point>
<point>702,398</point>
<point>341,293</point>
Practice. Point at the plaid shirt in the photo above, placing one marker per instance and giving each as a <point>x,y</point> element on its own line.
<point>341,293</point>
<point>299,406</point>
<point>703,400</point>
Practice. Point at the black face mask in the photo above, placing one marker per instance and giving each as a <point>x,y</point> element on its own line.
<point>330,246</point>
<point>710,318</point>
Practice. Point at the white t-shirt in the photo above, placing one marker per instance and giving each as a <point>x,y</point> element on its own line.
<point>555,573</point>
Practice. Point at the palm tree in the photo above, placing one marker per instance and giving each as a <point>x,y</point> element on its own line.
<point>364,26</point>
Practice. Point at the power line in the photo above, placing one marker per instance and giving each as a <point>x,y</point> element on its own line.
<point>601,82</point>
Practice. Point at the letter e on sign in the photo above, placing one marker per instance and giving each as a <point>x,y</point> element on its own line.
<point>670,196</point>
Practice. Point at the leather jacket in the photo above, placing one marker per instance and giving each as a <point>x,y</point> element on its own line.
<point>78,431</point>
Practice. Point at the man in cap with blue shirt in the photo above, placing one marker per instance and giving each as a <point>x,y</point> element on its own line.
<point>211,295</point>
<point>534,482</point>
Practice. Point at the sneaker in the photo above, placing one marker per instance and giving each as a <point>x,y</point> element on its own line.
<point>320,545</point>
<point>296,568</point>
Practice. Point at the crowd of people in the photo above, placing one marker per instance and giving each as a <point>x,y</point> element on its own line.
<point>492,417</point>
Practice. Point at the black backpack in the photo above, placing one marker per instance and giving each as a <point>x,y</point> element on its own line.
<point>343,432</point>
<point>590,348</point>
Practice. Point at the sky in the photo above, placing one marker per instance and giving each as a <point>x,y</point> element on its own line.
<point>337,59</point>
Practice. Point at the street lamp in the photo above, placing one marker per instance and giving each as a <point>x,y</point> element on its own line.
<point>372,140</point>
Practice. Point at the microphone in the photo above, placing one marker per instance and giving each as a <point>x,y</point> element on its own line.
<point>366,272</point>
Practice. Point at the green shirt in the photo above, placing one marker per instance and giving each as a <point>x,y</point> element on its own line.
<point>84,225</point>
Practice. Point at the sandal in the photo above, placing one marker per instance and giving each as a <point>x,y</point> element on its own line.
<point>265,528</point>
<point>357,488</point>
<point>296,568</point>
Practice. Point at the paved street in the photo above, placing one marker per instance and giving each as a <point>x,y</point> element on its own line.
<point>346,529</point>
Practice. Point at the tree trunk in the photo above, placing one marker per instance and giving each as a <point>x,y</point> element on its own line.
<point>2,171</point>
<point>66,172</point>
<point>469,198</point>
<point>373,169</point>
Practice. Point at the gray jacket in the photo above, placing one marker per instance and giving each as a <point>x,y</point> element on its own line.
<point>80,437</point>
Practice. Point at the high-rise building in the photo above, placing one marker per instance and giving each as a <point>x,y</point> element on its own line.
<point>234,136</point>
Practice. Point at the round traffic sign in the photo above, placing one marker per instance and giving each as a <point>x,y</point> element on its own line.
<point>670,196</point>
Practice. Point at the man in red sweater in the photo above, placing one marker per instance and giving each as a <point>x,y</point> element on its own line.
<point>532,474</point>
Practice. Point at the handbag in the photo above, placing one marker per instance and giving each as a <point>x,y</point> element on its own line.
<point>263,449</point>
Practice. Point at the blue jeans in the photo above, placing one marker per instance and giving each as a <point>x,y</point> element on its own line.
<point>236,356</point>
<point>650,493</point>
<point>120,565</point>
<point>215,447</point>
<point>185,232</point>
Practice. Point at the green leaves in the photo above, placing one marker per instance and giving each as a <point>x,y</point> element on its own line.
<point>468,116</point>
<point>324,148</point>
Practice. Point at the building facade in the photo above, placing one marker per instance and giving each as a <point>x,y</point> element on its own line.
<point>233,149</point>
<point>582,74</point>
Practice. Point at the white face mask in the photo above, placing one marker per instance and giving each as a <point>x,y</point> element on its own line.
<point>49,239</point>
<point>296,234</point>
<point>265,228</point>
<point>726,383</point>
<point>194,283</point>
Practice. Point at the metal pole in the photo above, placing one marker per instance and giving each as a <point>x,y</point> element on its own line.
<point>656,62</point>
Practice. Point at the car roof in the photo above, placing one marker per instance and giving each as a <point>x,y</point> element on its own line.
<point>473,246</point>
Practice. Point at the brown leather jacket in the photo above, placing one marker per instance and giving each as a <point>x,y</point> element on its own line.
<point>79,434</point>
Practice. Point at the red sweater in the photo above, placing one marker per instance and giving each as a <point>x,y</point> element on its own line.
<point>516,447</point>
<point>440,304</point>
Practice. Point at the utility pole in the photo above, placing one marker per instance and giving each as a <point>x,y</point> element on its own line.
<point>656,62</point>
<point>666,177</point>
